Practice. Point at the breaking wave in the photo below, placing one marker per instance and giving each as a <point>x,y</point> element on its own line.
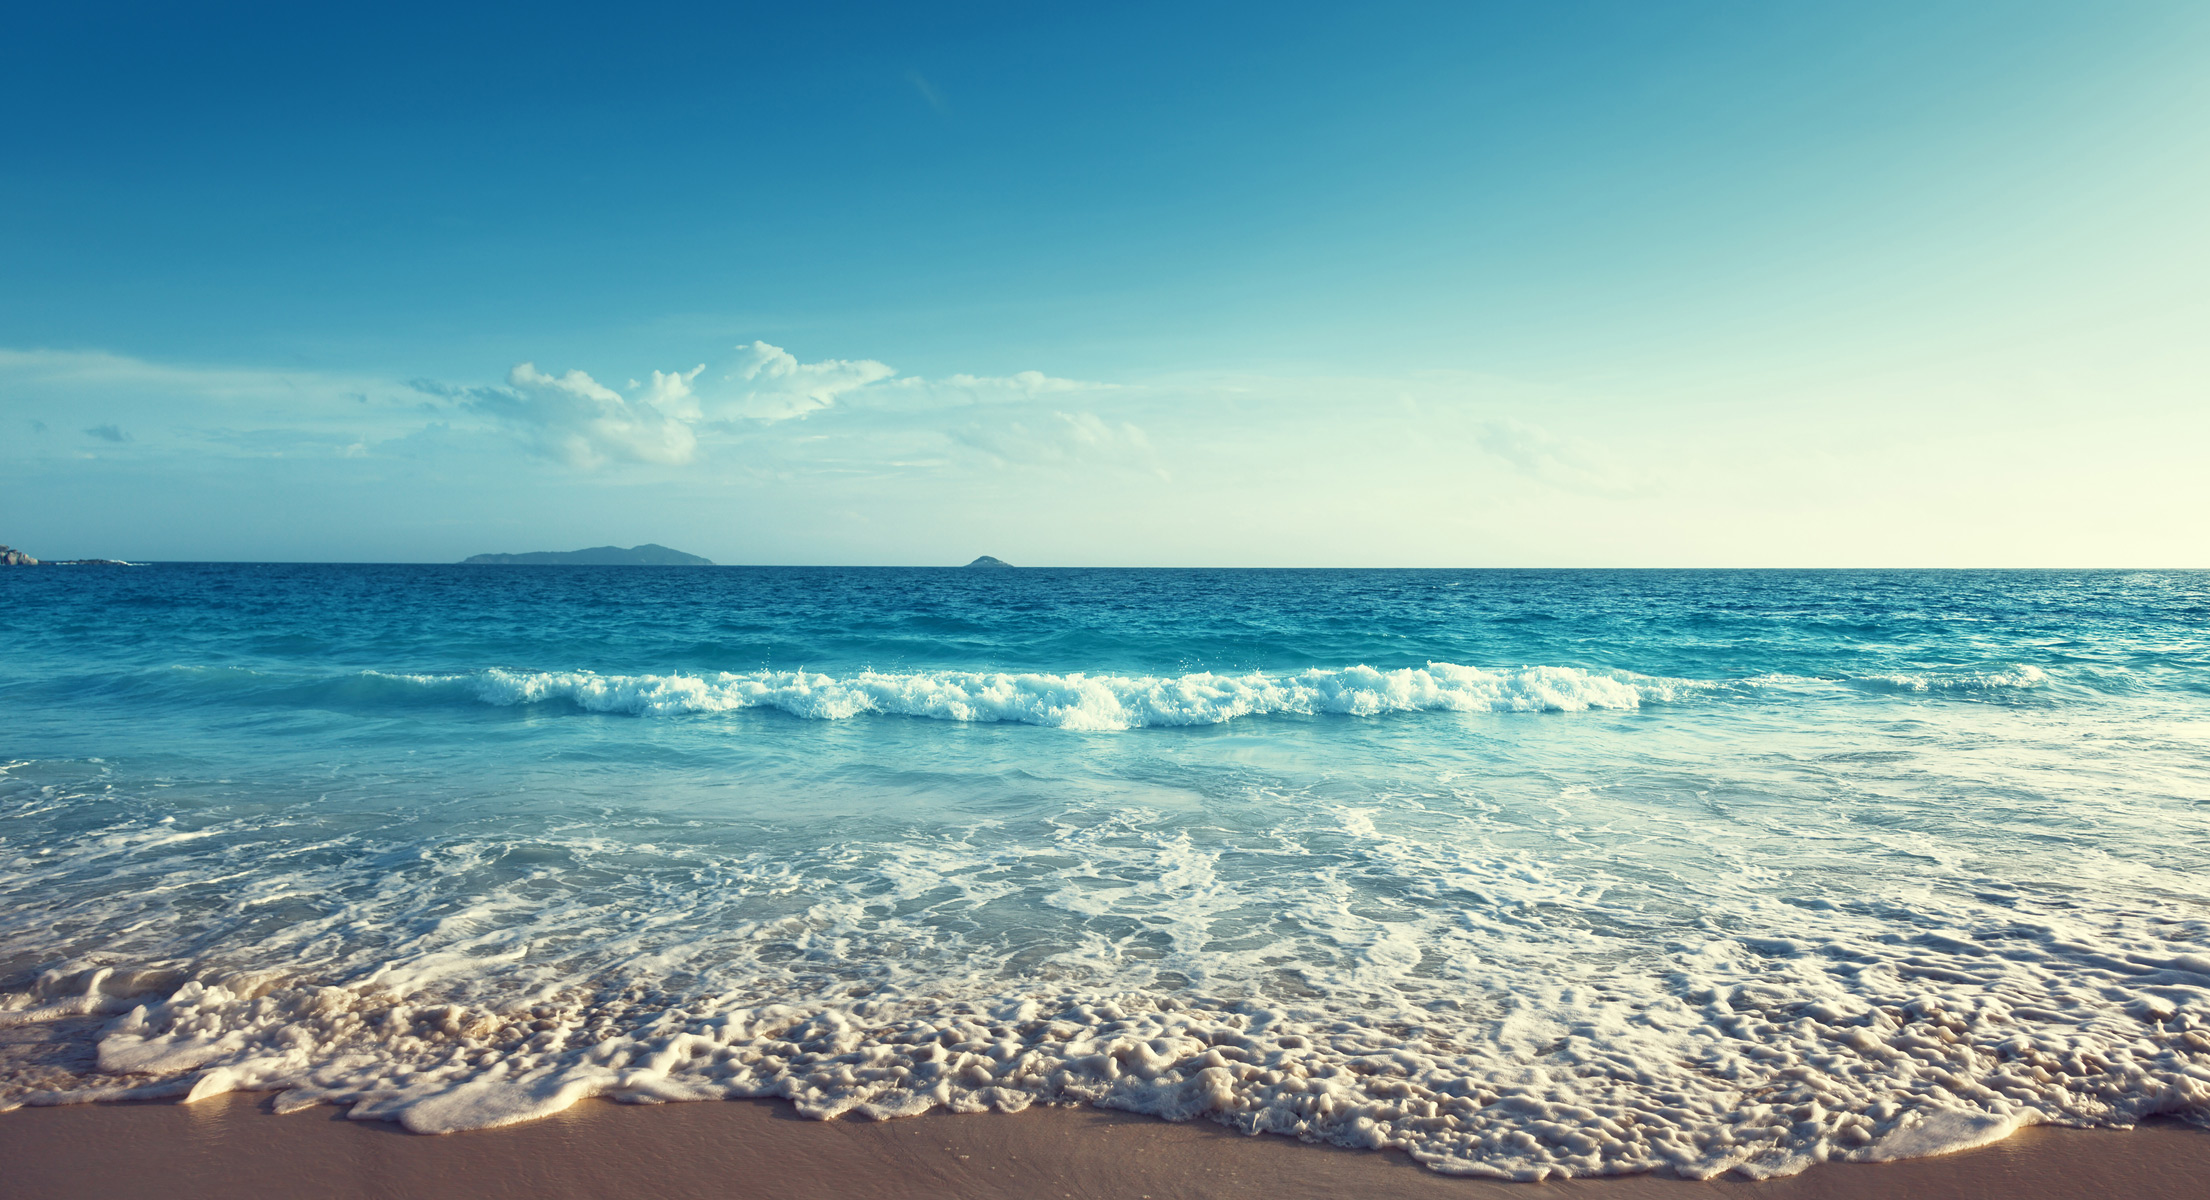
<point>1082,701</point>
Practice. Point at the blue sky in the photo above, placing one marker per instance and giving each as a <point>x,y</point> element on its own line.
<point>1468,284</point>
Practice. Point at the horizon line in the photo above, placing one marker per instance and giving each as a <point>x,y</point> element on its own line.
<point>316,562</point>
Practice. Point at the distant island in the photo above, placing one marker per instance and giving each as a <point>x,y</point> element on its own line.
<point>987,561</point>
<point>647,555</point>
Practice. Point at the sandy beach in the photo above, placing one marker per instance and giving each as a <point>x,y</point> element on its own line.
<point>231,1146</point>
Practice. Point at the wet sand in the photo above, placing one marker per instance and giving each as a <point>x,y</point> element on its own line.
<point>231,1146</point>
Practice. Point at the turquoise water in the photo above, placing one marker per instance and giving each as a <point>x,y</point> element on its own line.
<point>1525,872</point>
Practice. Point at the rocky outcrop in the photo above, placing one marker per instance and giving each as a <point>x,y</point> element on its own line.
<point>987,561</point>
<point>647,555</point>
<point>12,557</point>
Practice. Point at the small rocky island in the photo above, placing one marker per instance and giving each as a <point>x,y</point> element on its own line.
<point>647,555</point>
<point>987,561</point>
<point>12,557</point>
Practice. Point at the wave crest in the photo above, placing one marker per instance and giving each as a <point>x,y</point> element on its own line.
<point>2015,678</point>
<point>1082,701</point>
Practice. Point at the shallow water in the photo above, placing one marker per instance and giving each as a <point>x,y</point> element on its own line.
<point>1525,872</point>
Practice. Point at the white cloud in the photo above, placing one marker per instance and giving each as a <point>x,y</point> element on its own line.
<point>675,417</point>
<point>768,383</point>
<point>576,419</point>
<point>573,418</point>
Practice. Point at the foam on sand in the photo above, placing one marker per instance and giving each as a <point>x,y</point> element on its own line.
<point>1753,1080</point>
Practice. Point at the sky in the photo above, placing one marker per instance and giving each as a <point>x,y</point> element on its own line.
<point>1466,284</point>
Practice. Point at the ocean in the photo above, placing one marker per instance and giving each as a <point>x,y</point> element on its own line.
<point>1527,873</point>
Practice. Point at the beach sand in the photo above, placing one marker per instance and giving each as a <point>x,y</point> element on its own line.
<point>231,1146</point>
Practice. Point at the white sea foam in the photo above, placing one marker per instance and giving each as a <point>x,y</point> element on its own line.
<point>1084,701</point>
<point>1763,1078</point>
<point>1489,1011</point>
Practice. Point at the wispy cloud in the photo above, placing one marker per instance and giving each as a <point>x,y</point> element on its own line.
<point>928,91</point>
<point>1018,386</point>
<point>83,370</point>
<point>190,408</point>
<point>1559,462</point>
<point>1061,438</point>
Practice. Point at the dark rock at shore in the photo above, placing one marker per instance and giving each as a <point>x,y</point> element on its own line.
<point>987,561</point>
<point>12,557</point>
<point>647,555</point>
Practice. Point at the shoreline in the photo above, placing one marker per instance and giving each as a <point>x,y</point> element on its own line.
<point>232,1145</point>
